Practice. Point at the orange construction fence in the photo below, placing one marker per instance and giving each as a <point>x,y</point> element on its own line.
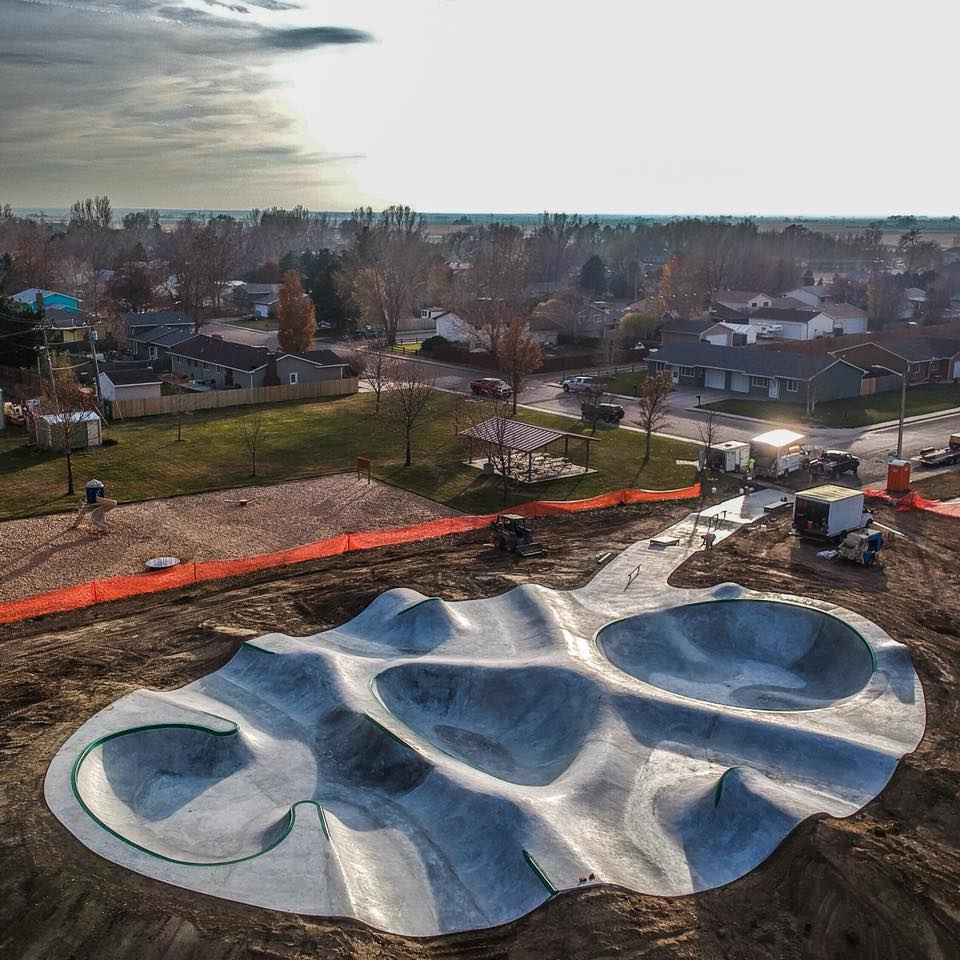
<point>188,574</point>
<point>911,500</point>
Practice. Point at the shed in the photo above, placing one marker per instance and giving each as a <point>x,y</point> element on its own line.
<point>129,383</point>
<point>83,429</point>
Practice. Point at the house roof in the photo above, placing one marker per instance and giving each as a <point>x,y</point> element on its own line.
<point>525,437</point>
<point>320,358</point>
<point>789,303</point>
<point>30,295</point>
<point>130,376</point>
<point>539,322</point>
<point>786,314</point>
<point>61,318</point>
<point>266,299</point>
<point>156,318</point>
<point>695,325</point>
<point>162,336</point>
<point>916,349</point>
<point>747,360</point>
<point>721,312</point>
<point>739,296</point>
<point>223,353</point>
<point>259,289</point>
<point>841,311</point>
<point>736,327</point>
<point>821,291</point>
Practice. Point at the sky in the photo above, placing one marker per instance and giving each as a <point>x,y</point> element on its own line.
<point>844,107</point>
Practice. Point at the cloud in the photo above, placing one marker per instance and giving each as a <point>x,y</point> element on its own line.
<point>156,102</point>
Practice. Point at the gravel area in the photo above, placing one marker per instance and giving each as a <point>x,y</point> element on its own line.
<point>44,553</point>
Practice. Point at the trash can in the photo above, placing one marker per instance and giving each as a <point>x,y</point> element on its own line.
<point>898,476</point>
<point>94,489</point>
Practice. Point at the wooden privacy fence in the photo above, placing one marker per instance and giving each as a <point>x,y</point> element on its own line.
<point>211,399</point>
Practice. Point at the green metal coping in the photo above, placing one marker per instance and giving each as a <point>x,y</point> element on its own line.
<point>598,643</point>
<point>90,747</point>
<point>538,873</point>
<point>719,787</point>
<point>390,734</point>
<point>419,603</point>
<point>253,646</point>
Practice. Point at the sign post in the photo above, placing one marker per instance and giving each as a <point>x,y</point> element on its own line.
<point>363,464</point>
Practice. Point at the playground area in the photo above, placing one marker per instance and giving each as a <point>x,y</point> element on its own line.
<point>44,553</point>
<point>878,883</point>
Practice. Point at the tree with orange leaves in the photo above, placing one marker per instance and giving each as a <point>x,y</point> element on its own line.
<point>297,322</point>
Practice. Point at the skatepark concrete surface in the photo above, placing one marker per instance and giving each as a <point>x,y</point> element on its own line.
<point>431,767</point>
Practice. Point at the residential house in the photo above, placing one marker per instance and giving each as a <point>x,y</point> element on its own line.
<point>803,379</point>
<point>246,296</point>
<point>926,359</point>
<point>543,330</point>
<point>731,334</point>
<point>743,301</point>
<point>265,305</point>
<point>792,323</point>
<point>152,344</point>
<point>721,314</point>
<point>49,298</point>
<point>674,329</point>
<point>220,363</point>
<point>68,326</point>
<point>846,318</point>
<point>812,296</point>
<point>311,366</point>
<point>129,383</point>
<point>133,322</point>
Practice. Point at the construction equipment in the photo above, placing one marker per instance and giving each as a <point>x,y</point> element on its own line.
<point>861,546</point>
<point>942,456</point>
<point>511,532</point>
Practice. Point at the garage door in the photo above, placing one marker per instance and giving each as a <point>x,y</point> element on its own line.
<point>740,382</point>
<point>956,370</point>
<point>715,379</point>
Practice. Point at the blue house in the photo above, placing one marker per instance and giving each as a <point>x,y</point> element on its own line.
<point>50,299</point>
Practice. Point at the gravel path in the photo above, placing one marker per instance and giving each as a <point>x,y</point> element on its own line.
<point>43,553</point>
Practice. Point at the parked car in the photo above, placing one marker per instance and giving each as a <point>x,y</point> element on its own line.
<point>583,385</point>
<point>608,412</point>
<point>491,387</point>
<point>831,463</point>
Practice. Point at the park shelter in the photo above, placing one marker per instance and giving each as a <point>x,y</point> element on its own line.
<point>514,440</point>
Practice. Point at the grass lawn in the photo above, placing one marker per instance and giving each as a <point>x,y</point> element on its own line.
<point>299,440</point>
<point>404,348</point>
<point>255,323</point>
<point>626,384</point>
<point>857,412</point>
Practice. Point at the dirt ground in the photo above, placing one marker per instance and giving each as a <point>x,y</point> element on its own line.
<point>44,553</point>
<point>881,884</point>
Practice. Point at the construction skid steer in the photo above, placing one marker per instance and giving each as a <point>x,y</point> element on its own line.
<point>511,532</point>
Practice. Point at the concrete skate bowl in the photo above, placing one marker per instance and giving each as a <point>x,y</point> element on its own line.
<point>757,654</point>
<point>142,785</point>
<point>525,725</point>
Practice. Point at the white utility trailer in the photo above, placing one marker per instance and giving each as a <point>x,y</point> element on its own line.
<point>828,512</point>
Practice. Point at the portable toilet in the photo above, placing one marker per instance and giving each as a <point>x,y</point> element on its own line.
<point>898,476</point>
<point>95,489</point>
<point>828,511</point>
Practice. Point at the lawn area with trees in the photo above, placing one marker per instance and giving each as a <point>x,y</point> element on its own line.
<point>856,412</point>
<point>143,459</point>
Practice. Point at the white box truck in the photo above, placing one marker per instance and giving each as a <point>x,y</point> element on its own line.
<point>828,512</point>
<point>776,453</point>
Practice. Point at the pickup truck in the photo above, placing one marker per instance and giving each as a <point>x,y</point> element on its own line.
<point>583,385</point>
<point>831,463</point>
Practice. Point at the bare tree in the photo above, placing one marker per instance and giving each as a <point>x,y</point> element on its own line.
<point>69,403</point>
<point>519,357</point>
<point>250,429</point>
<point>410,392</point>
<point>652,406</point>
<point>495,414</point>
<point>489,295</point>
<point>373,367</point>
<point>387,266</point>
<point>708,437</point>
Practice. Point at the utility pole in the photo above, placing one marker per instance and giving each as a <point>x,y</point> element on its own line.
<point>60,411</point>
<point>903,409</point>
<point>96,369</point>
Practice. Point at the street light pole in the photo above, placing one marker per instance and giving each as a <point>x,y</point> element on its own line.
<point>903,410</point>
